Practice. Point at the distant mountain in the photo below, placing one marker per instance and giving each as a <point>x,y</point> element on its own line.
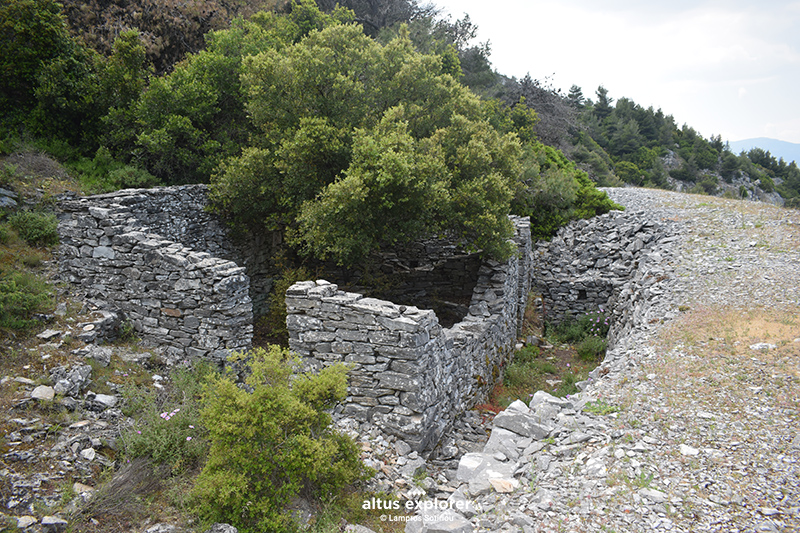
<point>788,151</point>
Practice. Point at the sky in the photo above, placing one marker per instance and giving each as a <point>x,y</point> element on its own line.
<point>729,68</point>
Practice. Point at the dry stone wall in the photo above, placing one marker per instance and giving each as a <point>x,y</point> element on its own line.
<point>170,267</point>
<point>589,261</point>
<point>410,376</point>
<point>157,256</point>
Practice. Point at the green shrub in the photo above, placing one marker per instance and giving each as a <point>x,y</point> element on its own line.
<point>168,429</point>
<point>275,319</point>
<point>594,323</point>
<point>601,407</point>
<point>555,191</point>
<point>7,235</point>
<point>103,173</point>
<point>7,174</point>
<point>21,295</point>
<point>270,444</point>
<point>766,183</point>
<point>569,331</point>
<point>35,228</point>
<point>567,386</point>
<point>526,370</point>
<point>708,184</point>
<point>526,375</point>
<point>591,348</point>
<point>527,354</point>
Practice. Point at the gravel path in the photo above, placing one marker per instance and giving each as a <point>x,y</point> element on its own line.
<point>707,436</point>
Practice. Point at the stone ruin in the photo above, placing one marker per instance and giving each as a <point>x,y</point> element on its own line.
<point>588,263</point>
<point>160,259</point>
<point>157,257</point>
<point>409,375</point>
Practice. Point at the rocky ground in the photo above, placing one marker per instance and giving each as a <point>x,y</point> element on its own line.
<point>690,424</point>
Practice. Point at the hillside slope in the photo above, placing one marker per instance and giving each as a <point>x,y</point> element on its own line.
<point>779,149</point>
<point>691,422</point>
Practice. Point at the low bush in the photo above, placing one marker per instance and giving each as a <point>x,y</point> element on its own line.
<point>35,228</point>
<point>527,354</point>
<point>21,295</point>
<point>591,347</point>
<point>527,372</point>
<point>7,235</point>
<point>168,431</point>
<point>594,323</point>
<point>105,174</point>
<point>569,331</point>
<point>7,174</point>
<point>271,441</point>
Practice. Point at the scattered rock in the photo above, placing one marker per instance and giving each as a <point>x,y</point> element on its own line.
<point>101,354</point>
<point>227,528</point>
<point>653,495</point>
<point>49,334</point>
<point>54,524</point>
<point>43,392</point>
<point>685,449</point>
<point>351,528</point>
<point>26,521</point>
<point>162,528</point>
<point>762,347</point>
<point>103,400</point>
<point>89,454</point>
<point>70,382</point>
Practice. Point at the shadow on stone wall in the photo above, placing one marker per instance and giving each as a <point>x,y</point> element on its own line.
<point>410,375</point>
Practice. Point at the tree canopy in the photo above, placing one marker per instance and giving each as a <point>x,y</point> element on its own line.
<point>347,142</point>
<point>367,144</point>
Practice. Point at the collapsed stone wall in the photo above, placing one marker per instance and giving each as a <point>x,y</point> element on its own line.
<point>136,250</point>
<point>590,261</point>
<point>409,375</point>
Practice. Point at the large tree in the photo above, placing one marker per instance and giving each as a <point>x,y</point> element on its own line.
<point>367,145</point>
<point>190,120</point>
<point>374,15</point>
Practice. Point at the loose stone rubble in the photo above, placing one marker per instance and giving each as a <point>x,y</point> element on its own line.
<point>585,463</point>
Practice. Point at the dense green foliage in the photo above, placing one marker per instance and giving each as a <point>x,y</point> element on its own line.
<point>54,87</point>
<point>21,295</point>
<point>367,145</point>
<point>556,191</point>
<point>272,442</point>
<point>625,142</point>
<point>170,29</point>
<point>620,143</point>
<point>587,332</point>
<point>303,124</point>
<point>189,121</point>
<point>167,429</point>
<point>35,228</point>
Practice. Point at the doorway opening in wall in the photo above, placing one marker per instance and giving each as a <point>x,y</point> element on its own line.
<point>553,359</point>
